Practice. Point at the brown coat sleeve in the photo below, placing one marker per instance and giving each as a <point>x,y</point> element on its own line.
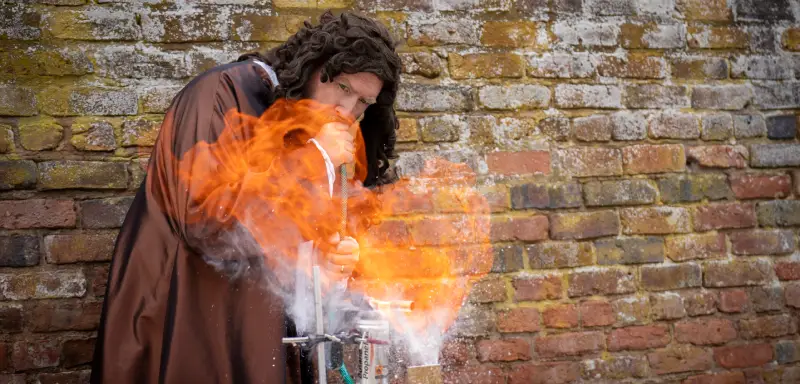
<point>232,187</point>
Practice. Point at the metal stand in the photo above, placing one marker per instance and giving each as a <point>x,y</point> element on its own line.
<point>371,335</point>
<point>323,379</point>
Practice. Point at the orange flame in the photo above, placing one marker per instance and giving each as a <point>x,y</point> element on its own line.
<point>421,239</point>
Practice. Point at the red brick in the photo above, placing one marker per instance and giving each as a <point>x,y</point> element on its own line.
<point>767,326</point>
<point>518,320</point>
<point>592,128</point>
<point>698,68</point>
<point>584,225</point>
<point>466,260</point>
<point>473,321</point>
<point>77,247</point>
<point>19,250</point>
<point>668,124</point>
<point>5,358</point>
<point>399,201</point>
<point>665,277</point>
<point>721,37</point>
<point>43,284</point>
<point>569,344</point>
<point>724,216</point>
<point>796,178</point>
<point>74,174</point>
<point>77,352</point>
<point>680,358</point>
<point>760,186</point>
<point>31,354</point>
<point>655,220</point>
<point>104,213</point>
<point>589,161</point>
<point>37,213</point>
<point>498,199</point>
<point>787,375</point>
<point>718,156</point>
<point>561,316</point>
<point>560,254</point>
<point>639,337</point>
<point>667,306</point>
<point>615,367</point>
<point>762,242</point>
<point>692,247</point>
<point>455,352</point>
<point>788,270</point>
<point>520,229</point>
<point>485,65</point>
<point>442,230</point>
<point>705,10</point>
<point>631,310</point>
<point>519,163</point>
<point>12,379</point>
<point>474,374</point>
<point>76,377</point>
<point>514,34</point>
<point>503,350</point>
<point>792,295</point>
<point>733,300</point>
<point>767,298</point>
<point>64,315</point>
<point>97,276</point>
<point>743,356</point>
<point>759,375</point>
<point>646,158</point>
<point>396,230</point>
<point>600,282</point>
<point>699,303</point>
<point>705,331</point>
<point>736,273</point>
<point>637,66</point>
<point>717,378</point>
<point>537,288</point>
<point>489,289</point>
<point>545,373</point>
<point>507,258</point>
<point>596,313</point>
<point>10,319</point>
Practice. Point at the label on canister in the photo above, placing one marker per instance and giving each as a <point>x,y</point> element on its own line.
<point>364,359</point>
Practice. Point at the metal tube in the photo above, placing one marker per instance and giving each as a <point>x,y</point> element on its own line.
<point>424,374</point>
<point>321,369</point>
<point>295,340</point>
<point>395,305</point>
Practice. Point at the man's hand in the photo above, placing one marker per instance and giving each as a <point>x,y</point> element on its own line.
<point>337,141</point>
<point>342,260</point>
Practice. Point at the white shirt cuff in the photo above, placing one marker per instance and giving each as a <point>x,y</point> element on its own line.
<point>328,166</point>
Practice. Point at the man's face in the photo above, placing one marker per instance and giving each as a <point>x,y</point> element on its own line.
<point>350,94</point>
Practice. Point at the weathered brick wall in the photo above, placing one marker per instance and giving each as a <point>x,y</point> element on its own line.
<point>641,158</point>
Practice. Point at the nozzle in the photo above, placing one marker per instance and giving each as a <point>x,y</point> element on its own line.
<point>396,305</point>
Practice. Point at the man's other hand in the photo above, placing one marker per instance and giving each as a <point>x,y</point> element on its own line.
<point>342,260</point>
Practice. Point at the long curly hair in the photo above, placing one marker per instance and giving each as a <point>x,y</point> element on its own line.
<point>348,43</point>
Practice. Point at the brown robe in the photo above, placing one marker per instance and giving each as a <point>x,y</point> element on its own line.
<point>169,316</point>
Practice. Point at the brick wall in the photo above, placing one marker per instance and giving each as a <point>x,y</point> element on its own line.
<point>641,158</point>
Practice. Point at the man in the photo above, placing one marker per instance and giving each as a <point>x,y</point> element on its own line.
<point>185,304</point>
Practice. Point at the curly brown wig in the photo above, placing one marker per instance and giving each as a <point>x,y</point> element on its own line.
<point>348,43</point>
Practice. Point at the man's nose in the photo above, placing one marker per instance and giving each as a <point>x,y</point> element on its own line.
<point>346,109</point>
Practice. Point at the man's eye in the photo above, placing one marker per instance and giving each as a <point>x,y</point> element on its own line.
<point>363,101</point>
<point>344,87</point>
